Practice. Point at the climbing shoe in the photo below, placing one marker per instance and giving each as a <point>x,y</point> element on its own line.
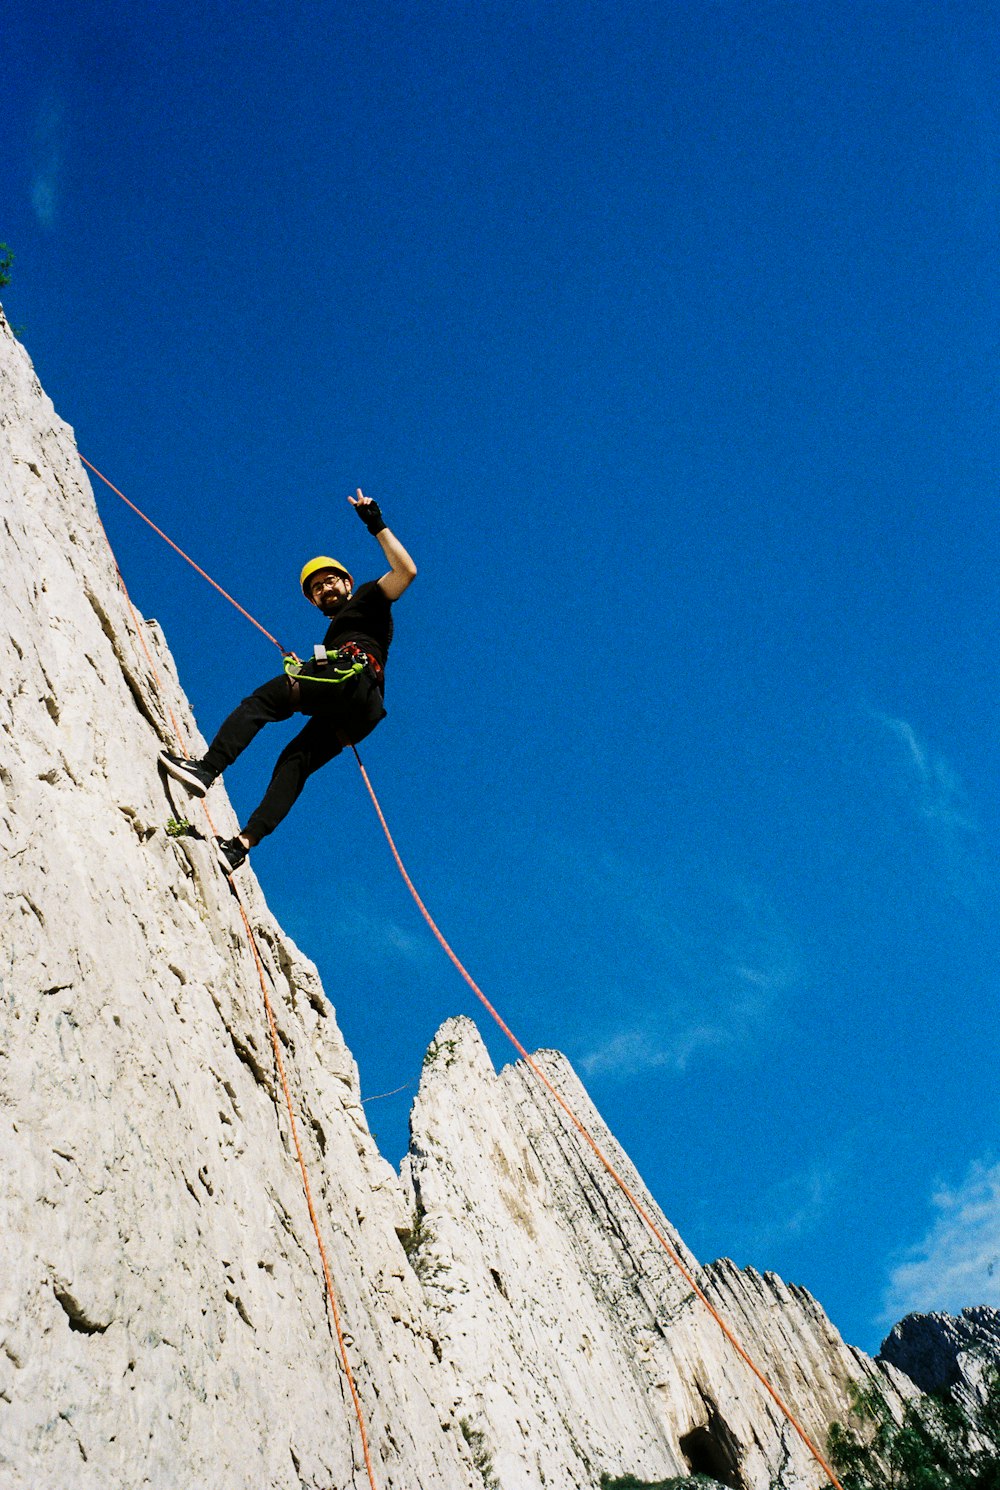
<point>195,776</point>
<point>230,853</point>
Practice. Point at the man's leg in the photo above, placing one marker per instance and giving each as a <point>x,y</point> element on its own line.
<point>277,699</point>
<point>335,719</point>
<point>272,701</point>
<point>311,748</point>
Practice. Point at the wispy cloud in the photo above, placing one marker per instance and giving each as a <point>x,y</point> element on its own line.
<point>626,1053</point>
<point>936,797</point>
<point>798,1203</point>
<point>387,944</point>
<point>415,946</point>
<point>958,1261</point>
<point>48,161</point>
<point>723,966</point>
<point>794,1207</point>
<point>933,787</point>
<point>364,942</point>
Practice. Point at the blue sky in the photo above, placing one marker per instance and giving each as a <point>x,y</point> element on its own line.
<point>666,335</point>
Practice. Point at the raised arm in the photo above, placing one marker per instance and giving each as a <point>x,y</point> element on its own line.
<point>403,571</point>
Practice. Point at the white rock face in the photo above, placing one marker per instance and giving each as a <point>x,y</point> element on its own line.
<point>576,1346</point>
<point>163,1321</point>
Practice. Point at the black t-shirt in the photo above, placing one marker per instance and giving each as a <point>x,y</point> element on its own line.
<point>366,618</point>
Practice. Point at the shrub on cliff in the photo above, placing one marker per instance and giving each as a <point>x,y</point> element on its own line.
<point>938,1445</point>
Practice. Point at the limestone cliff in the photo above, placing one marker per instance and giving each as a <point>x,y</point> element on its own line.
<point>573,1342</point>
<point>162,1313</point>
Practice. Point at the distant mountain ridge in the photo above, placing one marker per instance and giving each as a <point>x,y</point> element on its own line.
<point>942,1352</point>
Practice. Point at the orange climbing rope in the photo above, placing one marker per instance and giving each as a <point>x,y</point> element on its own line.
<point>629,1194</point>
<point>331,1295</point>
<point>591,1142</point>
<point>177,549</point>
<point>272,1024</point>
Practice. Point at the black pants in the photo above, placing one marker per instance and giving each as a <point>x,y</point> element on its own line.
<point>339,716</point>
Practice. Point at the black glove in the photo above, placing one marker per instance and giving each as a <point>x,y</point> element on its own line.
<point>371,516</point>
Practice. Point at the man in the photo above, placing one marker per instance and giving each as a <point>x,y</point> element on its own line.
<point>341,688</point>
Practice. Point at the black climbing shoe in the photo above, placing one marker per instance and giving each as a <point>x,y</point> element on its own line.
<point>196,777</point>
<point>230,854</point>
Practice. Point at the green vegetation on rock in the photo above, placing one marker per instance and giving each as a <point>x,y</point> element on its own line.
<point>683,1482</point>
<point>439,1048</point>
<point>936,1446</point>
<point>481,1456</point>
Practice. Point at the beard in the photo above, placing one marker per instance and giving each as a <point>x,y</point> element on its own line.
<point>331,605</point>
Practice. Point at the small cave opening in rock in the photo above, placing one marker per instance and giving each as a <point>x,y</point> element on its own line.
<point>711,1450</point>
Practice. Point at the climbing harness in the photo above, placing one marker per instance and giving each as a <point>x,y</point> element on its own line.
<point>342,667</point>
<point>334,665</point>
<point>532,1065</point>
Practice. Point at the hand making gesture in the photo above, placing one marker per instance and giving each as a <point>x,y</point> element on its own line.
<point>369,513</point>
<point>403,569</point>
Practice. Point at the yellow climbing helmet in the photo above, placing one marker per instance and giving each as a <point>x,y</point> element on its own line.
<point>322,561</point>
